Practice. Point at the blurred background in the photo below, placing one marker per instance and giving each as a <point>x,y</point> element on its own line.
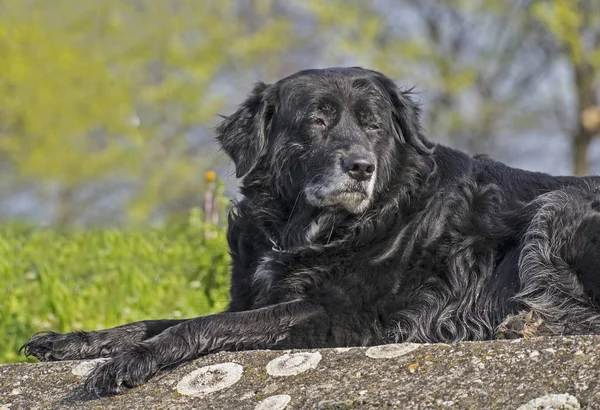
<point>112,189</point>
<point>107,108</point>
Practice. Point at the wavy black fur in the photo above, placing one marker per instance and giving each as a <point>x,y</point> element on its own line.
<point>444,248</point>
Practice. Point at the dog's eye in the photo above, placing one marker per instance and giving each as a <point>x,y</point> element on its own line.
<point>373,127</point>
<point>318,122</point>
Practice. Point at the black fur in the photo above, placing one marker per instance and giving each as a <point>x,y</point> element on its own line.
<point>435,246</point>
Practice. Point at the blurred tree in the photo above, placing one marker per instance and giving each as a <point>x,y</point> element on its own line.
<point>61,112</point>
<point>477,60</point>
<point>575,28</point>
<point>101,94</point>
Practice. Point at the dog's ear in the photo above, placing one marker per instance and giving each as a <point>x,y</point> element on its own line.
<point>407,117</point>
<point>242,134</point>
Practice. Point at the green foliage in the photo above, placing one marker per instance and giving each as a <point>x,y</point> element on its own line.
<point>47,105</point>
<point>565,20</point>
<point>111,90</point>
<point>575,25</point>
<point>70,280</point>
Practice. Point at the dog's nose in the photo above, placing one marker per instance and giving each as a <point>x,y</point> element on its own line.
<point>359,166</point>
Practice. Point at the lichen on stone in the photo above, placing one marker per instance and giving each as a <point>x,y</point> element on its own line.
<point>278,402</point>
<point>209,379</point>
<point>292,364</point>
<point>390,351</point>
<point>85,368</point>
<point>552,401</point>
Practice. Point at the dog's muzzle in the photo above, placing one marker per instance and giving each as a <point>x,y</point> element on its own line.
<point>349,186</point>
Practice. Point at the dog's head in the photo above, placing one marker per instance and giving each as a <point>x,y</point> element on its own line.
<point>336,136</point>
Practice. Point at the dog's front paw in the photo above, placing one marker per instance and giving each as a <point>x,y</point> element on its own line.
<point>51,346</point>
<point>129,369</point>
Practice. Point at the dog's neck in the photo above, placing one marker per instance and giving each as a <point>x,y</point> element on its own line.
<point>313,231</point>
<point>321,229</point>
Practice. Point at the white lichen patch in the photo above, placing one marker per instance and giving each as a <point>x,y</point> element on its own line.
<point>209,379</point>
<point>341,349</point>
<point>390,351</point>
<point>552,401</point>
<point>278,402</point>
<point>292,364</point>
<point>85,368</point>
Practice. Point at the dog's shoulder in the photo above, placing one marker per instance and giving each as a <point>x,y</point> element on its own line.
<point>523,185</point>
<point>452,166</point>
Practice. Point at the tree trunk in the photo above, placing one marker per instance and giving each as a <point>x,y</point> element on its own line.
<point>586,99</point>
<point>580,145</point>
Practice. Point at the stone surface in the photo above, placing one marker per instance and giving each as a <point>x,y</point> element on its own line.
<point>534,373</point>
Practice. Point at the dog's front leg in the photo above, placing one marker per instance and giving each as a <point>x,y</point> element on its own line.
<point>253,329</point>
<point>50,346</point>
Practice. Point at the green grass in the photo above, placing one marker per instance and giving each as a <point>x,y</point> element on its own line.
<point>87,280</point>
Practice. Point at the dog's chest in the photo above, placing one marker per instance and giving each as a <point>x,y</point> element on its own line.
<point>337,276</point>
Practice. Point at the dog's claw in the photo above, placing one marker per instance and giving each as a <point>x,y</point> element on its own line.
<point>52,346</point>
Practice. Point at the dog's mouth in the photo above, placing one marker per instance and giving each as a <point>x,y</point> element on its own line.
<point>354,198</point>
<point>358,190</point>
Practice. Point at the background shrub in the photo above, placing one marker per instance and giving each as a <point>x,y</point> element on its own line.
<point>93,279</point>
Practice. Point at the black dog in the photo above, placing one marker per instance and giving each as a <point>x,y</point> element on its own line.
<point>356,230</point>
